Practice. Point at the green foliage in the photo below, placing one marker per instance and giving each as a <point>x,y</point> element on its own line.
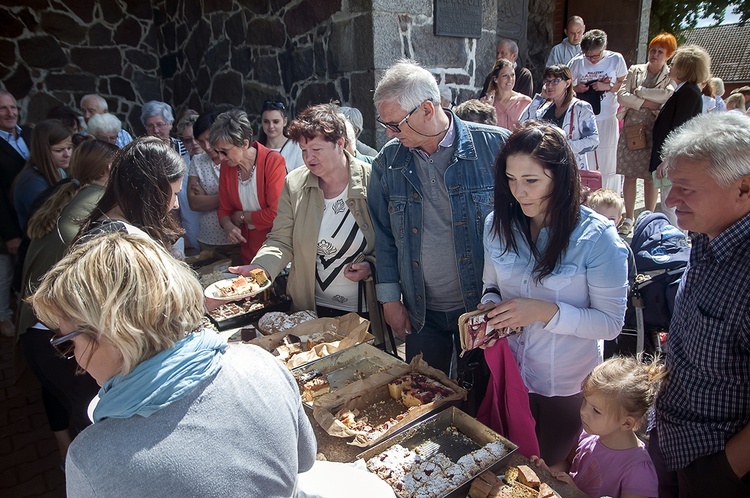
<point>675,17</point>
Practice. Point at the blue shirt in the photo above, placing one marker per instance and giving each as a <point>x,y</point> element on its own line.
<point>589,286</point>
<point>17,143</point>
<point>706,399</point>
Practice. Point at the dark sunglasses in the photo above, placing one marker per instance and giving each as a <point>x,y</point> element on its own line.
<point>272,104</point>
<point>396,127</point>
<point>63,344</point>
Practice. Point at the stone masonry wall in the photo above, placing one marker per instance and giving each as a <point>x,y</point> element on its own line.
<point>216,54</point>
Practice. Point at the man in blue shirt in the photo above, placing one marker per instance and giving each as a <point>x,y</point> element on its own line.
<point>14,151</point>
<point>702,443</point>
<point>431,189</point>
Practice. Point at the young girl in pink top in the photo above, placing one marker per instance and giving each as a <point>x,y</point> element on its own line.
<point>609,459</point>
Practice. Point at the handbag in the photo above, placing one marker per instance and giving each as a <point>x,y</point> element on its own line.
<point>590,179</point>
<point>635,137</point>
<point>594,98</point>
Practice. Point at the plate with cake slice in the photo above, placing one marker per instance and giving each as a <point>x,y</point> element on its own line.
<point>240,287</point>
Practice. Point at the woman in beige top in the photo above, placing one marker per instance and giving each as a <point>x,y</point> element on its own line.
<point>644,91</point>
<point>499,92</point>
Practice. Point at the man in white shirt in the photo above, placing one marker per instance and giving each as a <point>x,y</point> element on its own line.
<point>95,104</point>
<point>571,44</point>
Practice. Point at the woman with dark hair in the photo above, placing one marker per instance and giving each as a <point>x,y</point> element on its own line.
<point>203,191</point>
<point>50,151</point>
<point>508,104</point>
<point>52,228</point>
<point>646,88</point>
<point>273,121</point>
<point>250,182</point>
<point>558,105</point>
<point>555,270</point>
<point>144,182</point>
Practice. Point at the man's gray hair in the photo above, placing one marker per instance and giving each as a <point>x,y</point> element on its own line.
<point>722,139</point>
<point>408,84</point>
<point>155,108</point>
<point>98,99</point>
<point>512,45</point>
<point>104,123</point>
<point>232,127</point>
<point>595,39</point>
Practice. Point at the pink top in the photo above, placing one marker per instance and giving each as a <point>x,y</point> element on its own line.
<point>507,117</point>
<point>600,471</point>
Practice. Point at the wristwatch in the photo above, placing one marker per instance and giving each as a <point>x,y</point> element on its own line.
<point>242,217</point>
<point>611,85</point>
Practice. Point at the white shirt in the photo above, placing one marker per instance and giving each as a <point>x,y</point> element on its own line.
<point>248,190</point>
<point>589,287</point>
<point>202,167</point>
<point>612,65</point>
<point>292,155</point>
<point>340,241</point>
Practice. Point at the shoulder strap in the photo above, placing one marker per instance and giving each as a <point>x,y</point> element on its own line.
<point>572,115</point>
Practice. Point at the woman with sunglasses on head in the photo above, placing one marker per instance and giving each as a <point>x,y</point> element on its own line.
<point>555,270</point>
<point>52,228</point>
<point>597,75</point>
<point>250,182</point>
<point>558,105</point>
<point>179,413</point>
<point>273,120</point>
<point>646,88</point>
<point>508,104</point>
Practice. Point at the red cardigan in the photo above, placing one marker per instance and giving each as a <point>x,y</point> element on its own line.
<point>270,173</point>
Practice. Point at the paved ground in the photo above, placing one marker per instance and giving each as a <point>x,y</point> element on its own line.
<point>29,460</point>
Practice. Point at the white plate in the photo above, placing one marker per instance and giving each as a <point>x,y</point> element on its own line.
<point>211,290</point>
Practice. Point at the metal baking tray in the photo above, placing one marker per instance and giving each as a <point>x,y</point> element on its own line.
<point>344,367</point>
<point>274,304</point>
<point>431,436</point>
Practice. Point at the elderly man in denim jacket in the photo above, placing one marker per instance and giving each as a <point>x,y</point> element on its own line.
<point>431,189</point>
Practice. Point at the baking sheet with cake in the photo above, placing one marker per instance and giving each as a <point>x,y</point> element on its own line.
<point>453,434</point>
<point>371,399</point>
<point>241,313</point>
<point>344,367</point>
<point>346,331</point>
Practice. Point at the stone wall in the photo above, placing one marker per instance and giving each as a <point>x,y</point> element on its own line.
<point>216,54</point>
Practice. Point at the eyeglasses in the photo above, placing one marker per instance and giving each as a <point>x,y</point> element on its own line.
<point>396,128</point>
<point>272,104</point>
<point>594,57</point>
<point>224,153</point>
<point>190,140</point>
<point>63,345</point>
<point>554,82</point>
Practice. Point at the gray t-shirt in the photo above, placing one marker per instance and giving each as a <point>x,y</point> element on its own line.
<point>442,284</point>
<point>242,433</point>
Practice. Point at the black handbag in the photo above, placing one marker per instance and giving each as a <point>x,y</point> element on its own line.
<point>594,98</point>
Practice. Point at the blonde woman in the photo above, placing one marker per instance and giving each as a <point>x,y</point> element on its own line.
<point>132,325</point>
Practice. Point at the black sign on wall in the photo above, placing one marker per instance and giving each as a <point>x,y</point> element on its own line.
<point>460,18</point>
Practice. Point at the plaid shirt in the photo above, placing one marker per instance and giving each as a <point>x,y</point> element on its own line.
<point>706,399</point>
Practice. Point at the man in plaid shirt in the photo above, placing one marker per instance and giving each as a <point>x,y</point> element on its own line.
<point>703,409</point>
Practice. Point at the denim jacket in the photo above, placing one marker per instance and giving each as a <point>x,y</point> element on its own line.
<point>395,200</point>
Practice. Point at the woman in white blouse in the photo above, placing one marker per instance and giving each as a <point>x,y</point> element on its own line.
<point>203,191</point>
<point>556,270</point>
<point>273,121</point>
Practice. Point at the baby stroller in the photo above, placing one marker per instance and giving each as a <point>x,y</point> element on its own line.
<point>662,252</point>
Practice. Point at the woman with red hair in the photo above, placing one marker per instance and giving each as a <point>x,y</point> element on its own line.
<point>646,88</point>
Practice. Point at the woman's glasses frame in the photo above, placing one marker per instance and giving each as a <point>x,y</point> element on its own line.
<point>62,346</point>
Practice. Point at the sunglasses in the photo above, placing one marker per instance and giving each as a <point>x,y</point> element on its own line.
<point>63,344</point>
<point>273,104</point>
<point>396,128</point>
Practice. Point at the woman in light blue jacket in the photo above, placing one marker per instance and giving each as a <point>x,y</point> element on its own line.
<point>558,105</point>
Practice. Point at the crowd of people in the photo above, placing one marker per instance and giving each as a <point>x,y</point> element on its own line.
<point>476,207</point>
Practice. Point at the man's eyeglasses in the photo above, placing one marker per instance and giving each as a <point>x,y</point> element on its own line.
<point>272,104</point>
<point>594,57</point>
<point>554,82</point>
<point>63,344</point>
<point>396,128</point>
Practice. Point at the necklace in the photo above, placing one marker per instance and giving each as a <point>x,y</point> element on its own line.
<point>250,177</point>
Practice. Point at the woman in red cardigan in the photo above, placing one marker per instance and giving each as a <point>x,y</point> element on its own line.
<point>250,182</point>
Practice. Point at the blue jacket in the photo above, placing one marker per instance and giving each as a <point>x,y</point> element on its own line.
<point>395,201</point>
